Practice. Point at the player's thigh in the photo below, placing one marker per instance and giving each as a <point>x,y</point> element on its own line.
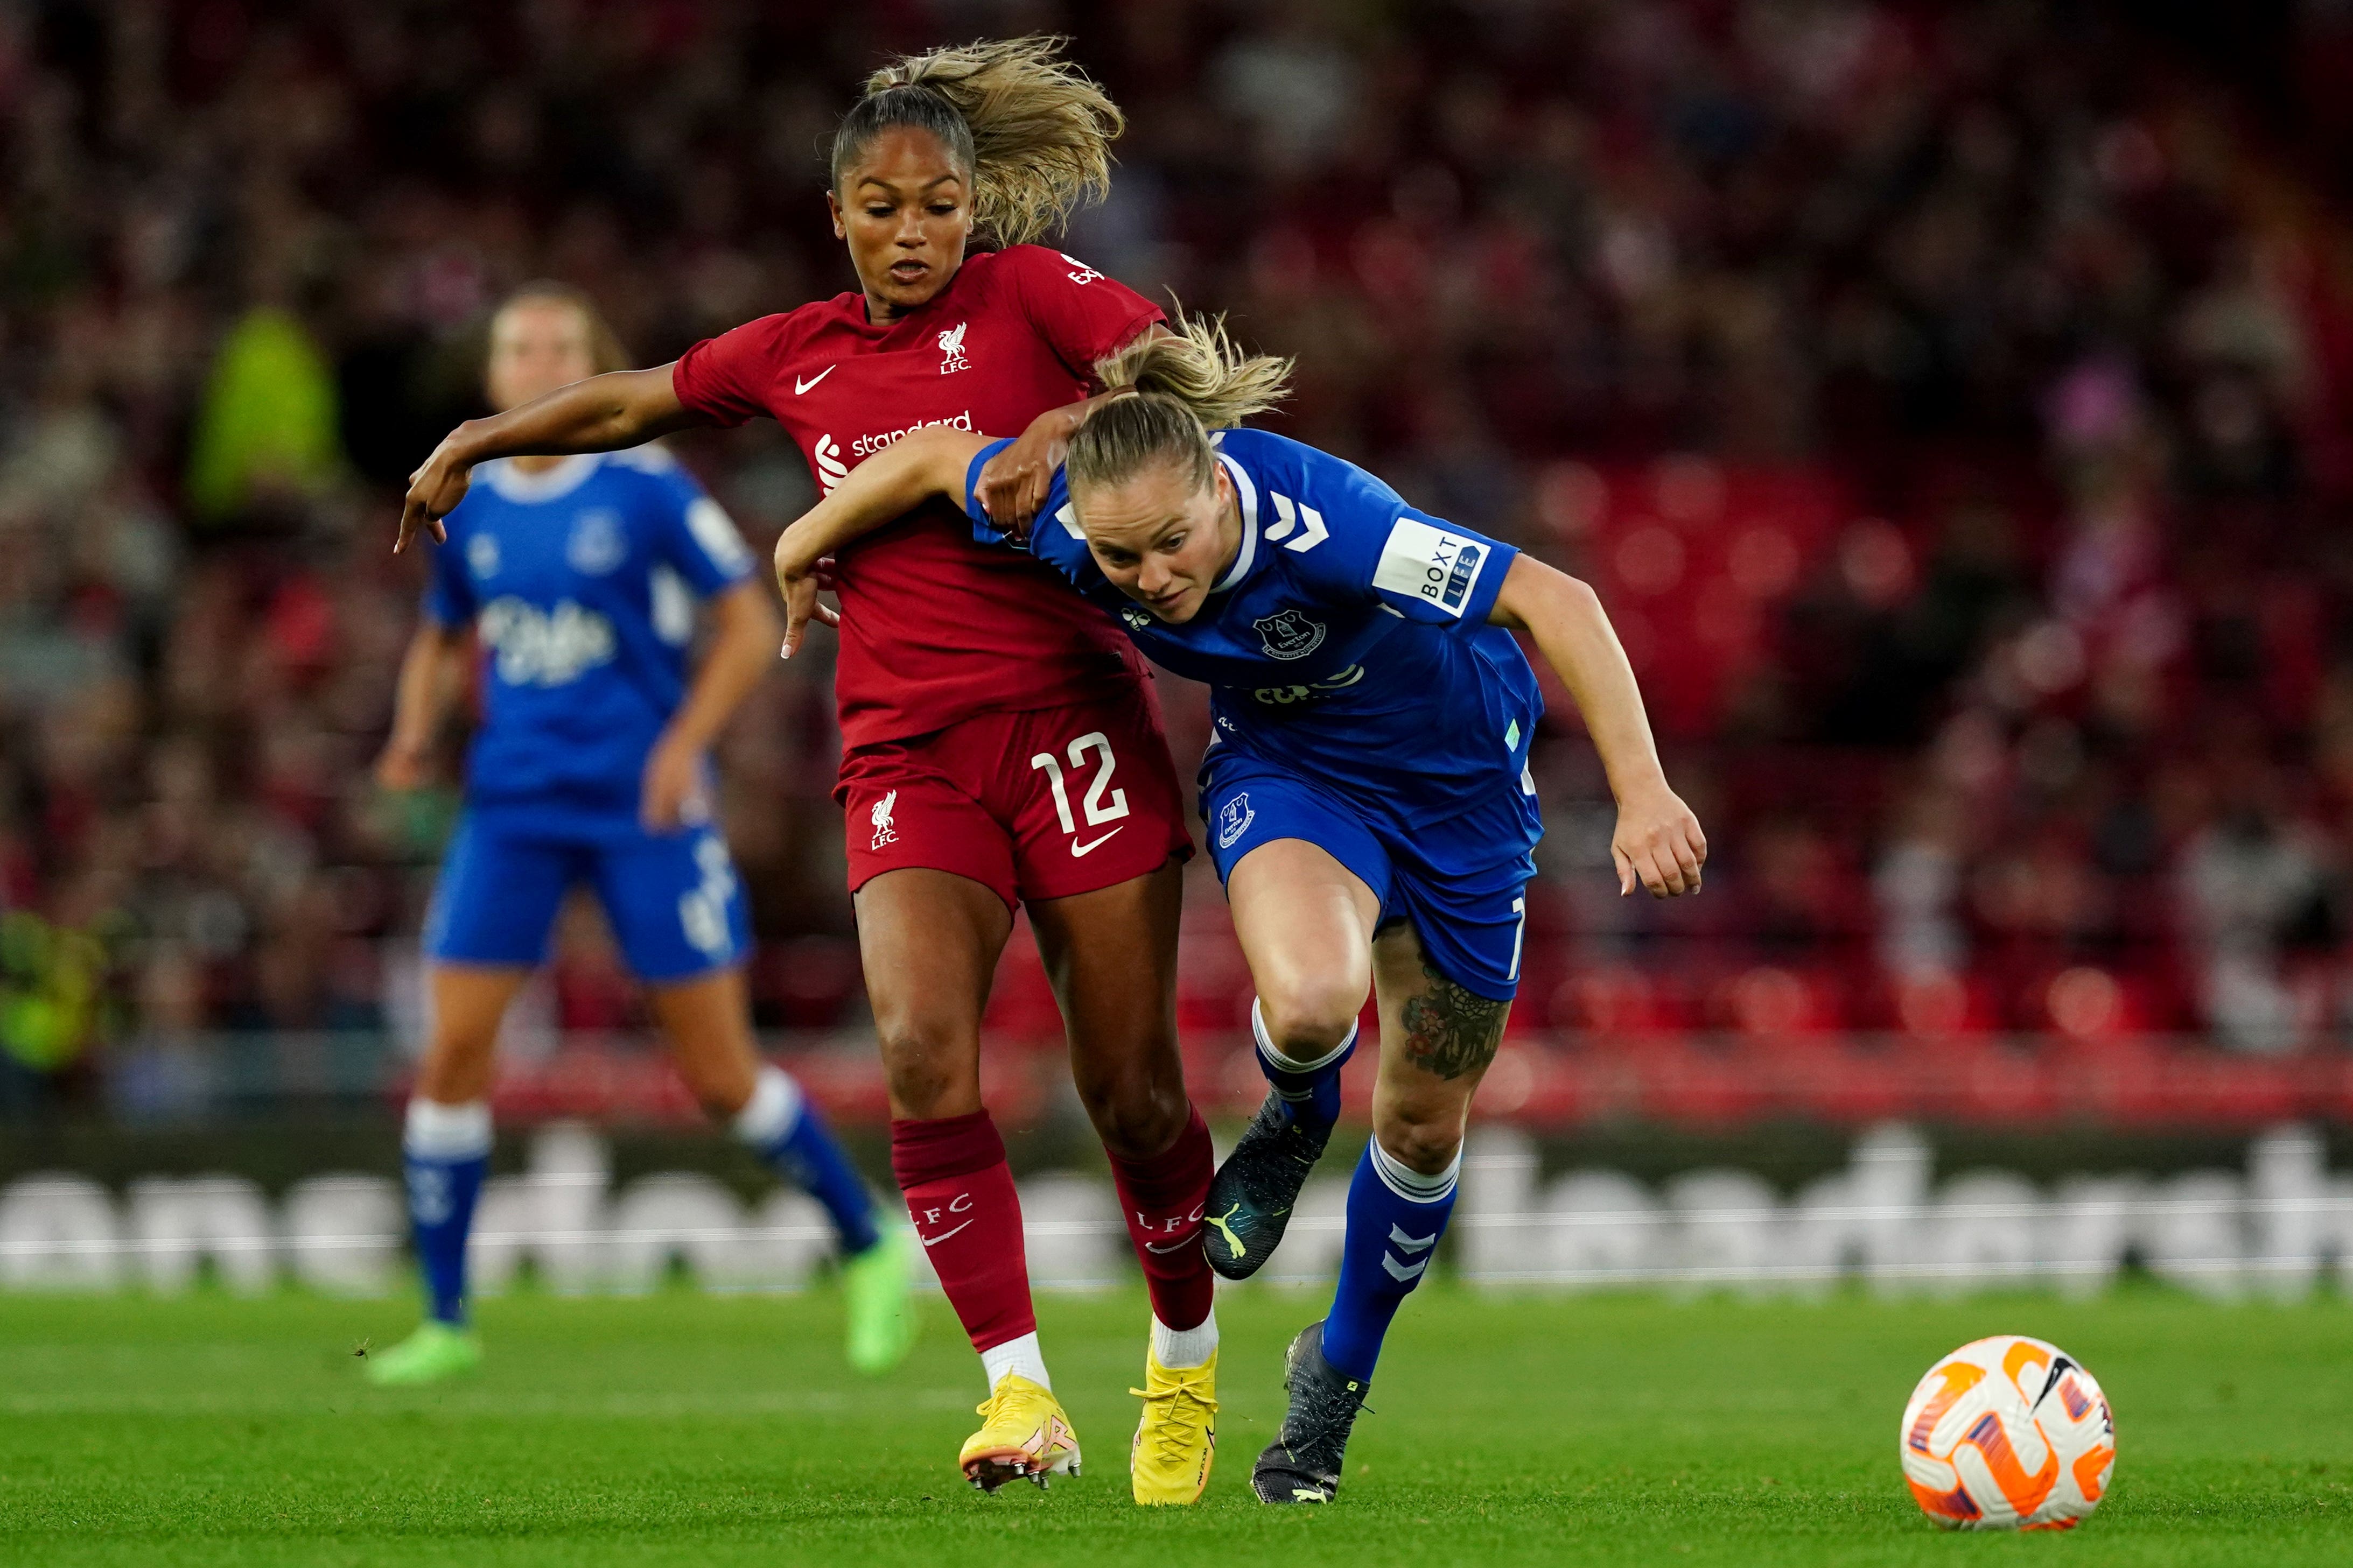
<point>1306,881</point>
<point>707,1019</point>
<point>468,1002</point>
<point>929,941</point>
<point>1439,1035</point>
<point>675,904</point>
<point>1112,957</point>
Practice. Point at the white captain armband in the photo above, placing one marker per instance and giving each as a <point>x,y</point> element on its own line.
<point>1439,568</point>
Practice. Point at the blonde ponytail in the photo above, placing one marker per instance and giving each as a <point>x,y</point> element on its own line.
<point>1191,377</point>
<point>1030,129</point>
<point>1196,363</point>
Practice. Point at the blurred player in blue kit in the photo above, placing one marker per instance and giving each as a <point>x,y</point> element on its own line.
<point>577,583</point>
<point>1367,788</point>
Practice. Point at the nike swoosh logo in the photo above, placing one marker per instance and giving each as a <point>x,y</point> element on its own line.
<point>1172,1246</point>
<point>1079,849</point>
<point>935,1240</point>
<point>800,386</point>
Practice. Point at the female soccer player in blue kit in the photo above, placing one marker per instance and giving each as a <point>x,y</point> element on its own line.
<point>578,579</point>
<point>1366,789</point>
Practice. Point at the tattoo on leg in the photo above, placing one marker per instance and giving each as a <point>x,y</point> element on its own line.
<point>1450,1031</point>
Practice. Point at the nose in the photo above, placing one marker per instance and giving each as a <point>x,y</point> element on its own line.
<point>910,229</point>
<point>1152,577</point>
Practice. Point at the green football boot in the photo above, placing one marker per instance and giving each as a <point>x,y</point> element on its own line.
<point>435,1351</point>
<point>874,1290</point>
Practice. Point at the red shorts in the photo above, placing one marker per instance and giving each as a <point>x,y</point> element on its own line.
<point>1039,805</point>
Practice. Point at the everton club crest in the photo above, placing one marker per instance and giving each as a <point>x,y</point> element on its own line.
<point>1287,634</point>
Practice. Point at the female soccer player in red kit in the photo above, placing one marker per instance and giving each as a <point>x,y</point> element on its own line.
<point>1001,743</point>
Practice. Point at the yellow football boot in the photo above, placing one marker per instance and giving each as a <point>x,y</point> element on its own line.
<point>1177,1441</point>
<point>1023,1434</point>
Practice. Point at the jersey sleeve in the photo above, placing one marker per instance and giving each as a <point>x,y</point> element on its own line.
<point>448,591</point>
<point>1375,546</point>
<point>1079,312</point>
<point>697,536</point>
<point>724,381</point>
<point>984,527</point>
<point>1054,538</point>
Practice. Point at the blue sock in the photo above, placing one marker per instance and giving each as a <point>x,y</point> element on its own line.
<point>445,1151</point>
<point>1310,1090</point>
<point>1395,1218</point>
<point>787,1132</point>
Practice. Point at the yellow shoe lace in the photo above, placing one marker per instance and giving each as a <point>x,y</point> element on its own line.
<point>1169,1421</point>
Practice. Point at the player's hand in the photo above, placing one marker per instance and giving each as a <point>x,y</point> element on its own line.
<point>672,785</point>
<point>1658,843</point>
<point>434,491</point>
<point>797,582</point>
<point>1014,484</point>
<point>406,764</point>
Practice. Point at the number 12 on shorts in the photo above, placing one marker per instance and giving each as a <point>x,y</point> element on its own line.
<point>1100,807</point>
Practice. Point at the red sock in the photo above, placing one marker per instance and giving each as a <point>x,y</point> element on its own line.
<point>960,1195</point>
<point>1163,1197</point>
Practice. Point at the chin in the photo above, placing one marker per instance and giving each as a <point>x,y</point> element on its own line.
<point>907,296</point>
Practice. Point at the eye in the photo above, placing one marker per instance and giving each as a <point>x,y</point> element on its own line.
<point>1173,543</point>
<point>876,210</point>
<point>942,209</point>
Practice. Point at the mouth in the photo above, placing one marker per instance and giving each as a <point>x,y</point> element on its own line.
<point>1164,606</point>
<point>910,272</point>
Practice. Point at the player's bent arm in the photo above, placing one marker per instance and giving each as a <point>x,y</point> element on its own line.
<point>432,673</point>
<point>884,488</point>
<point>744,628</point>
<point>1658,839</point>
<point>1014,484</point>
<point>601,414</point>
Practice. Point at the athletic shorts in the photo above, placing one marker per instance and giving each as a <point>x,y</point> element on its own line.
<point>1469,915</point>
<point>1037,804</point>
<point>673,899</point>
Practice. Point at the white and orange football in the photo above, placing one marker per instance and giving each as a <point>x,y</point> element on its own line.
<point>2008,1433</point>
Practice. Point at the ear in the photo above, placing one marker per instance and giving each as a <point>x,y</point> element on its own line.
<point>833,206</point>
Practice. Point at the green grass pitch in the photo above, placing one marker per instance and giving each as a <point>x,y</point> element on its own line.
<point>686,1429</point>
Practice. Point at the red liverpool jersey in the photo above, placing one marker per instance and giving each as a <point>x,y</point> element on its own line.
<point>935,627</point>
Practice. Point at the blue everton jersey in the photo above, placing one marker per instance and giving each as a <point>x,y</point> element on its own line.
<point>1348,640</point>
<point>581,582</point>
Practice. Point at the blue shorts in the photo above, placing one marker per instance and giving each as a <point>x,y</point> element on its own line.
<point>1470,910</point>
<point>674,902</point>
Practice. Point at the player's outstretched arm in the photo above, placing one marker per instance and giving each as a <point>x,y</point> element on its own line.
<point>1658,841</point>
<point>885,487</point>
<point>601,414</point>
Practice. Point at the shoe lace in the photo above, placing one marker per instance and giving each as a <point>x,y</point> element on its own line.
<point>1170,1415</point>
<point>1320,1416</point>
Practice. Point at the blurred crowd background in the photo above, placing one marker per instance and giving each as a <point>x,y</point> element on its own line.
<point>1949,400</point>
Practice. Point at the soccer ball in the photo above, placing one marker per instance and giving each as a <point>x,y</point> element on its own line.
<point>2008,1434</point>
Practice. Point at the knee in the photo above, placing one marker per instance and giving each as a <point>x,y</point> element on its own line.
<point>929,1078</point>
<point>1307,1016</point>
<point>1137,1112</point>
<point>1421,1138</point>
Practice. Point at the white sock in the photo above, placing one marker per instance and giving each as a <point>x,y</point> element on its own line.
<point>1179,1347</point>
<point>1411,1184</point>
<point>772,1113</point>
<point>1021,1355</point>
<point>437,1132</point>
<point>1268,1048</point>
